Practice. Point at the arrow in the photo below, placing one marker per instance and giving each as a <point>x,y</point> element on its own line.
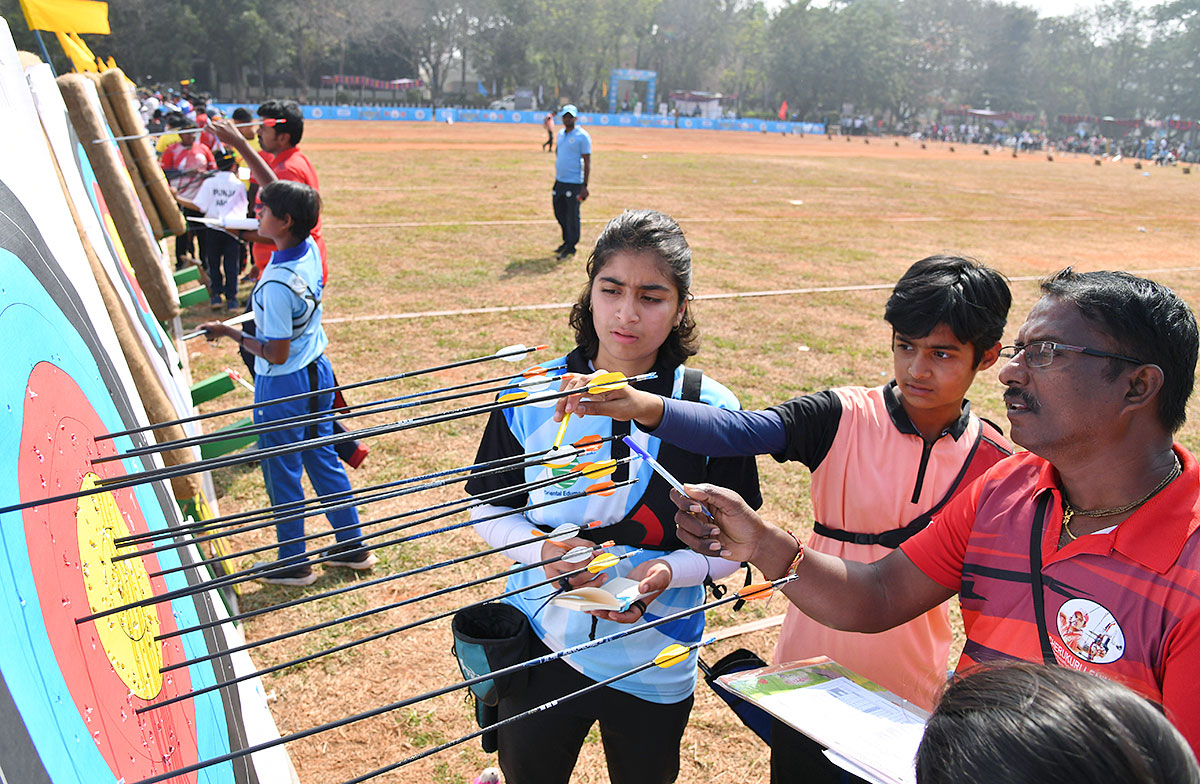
<point>233,322</point>
<point>332,415</point>
<point>256,572</point>
<point>267,121</point>
<point>325,503</point>
<point>509,354</point>
<point>466,504</point>
<point>568,555</point>
<point>254,455</point>
<point>369,638</point>
<point>750,592</point>
<point>669,656</point>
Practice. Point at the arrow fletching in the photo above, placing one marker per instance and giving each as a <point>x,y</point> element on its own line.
<point>512,397</point>
<point>596,470</point>
<point>602,562</point>
<point>671,655</point>
<point>516,352</point>
<point>577,554</point>
<point>756,591</point>
<point>589,443</point>
<point>605,488</point>
<point>564,531</point>
<point>607,382</point>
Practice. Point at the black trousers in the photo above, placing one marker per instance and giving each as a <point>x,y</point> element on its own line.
<point>223,260</point>
<point>183,243</point>
<point>798,759</point>
<point>641,739</point>
<point>566,211</point>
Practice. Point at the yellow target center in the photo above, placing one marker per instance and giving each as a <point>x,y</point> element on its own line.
<point>127,636</point>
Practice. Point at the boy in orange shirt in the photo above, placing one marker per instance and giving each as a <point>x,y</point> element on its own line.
<point>883,460</point>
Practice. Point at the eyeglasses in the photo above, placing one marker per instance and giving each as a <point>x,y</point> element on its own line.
<point>1041,353</point>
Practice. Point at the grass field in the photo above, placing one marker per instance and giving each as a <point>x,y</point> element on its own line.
<point>425,219</point>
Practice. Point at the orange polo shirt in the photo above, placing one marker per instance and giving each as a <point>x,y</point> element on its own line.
<point>878,475</point>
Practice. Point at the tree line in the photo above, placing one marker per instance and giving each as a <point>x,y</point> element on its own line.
<point>890,58</point>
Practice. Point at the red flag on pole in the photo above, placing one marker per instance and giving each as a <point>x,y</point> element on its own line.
<point>783,110</point>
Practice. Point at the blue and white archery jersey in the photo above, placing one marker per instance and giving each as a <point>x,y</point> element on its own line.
<point>637,515</point>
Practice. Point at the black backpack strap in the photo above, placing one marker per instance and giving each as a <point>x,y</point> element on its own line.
<point>1035,577</point>
<point>691,391</point>
<point>692,379</point>
<point>651,523</point>
<point>898,536</point>
<point>314,401</point>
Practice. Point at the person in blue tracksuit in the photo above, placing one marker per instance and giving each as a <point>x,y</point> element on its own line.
<point>289,352</point>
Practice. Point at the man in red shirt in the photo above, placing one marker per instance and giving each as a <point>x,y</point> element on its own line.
<point>279,135</point>
<point>1081,552</point>
<point>185,163</point>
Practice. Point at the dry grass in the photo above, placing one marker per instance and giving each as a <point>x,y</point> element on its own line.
<point>467,224</point>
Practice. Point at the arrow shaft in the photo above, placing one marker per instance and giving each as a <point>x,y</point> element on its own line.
<point>502,354</point>
<point>464,504</point>
<point>523,715</point>
<point>342,503</point>
<point>639,627</point>
<point>254,573</point>
<point>340,414</point>
<point>356,586</point>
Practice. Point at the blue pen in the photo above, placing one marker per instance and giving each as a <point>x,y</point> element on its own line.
<point>664,473</point>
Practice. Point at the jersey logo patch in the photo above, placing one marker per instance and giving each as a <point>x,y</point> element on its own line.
<point>1090,631</point>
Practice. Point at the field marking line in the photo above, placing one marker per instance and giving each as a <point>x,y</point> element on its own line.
<point>748,627</point>
<point>782,219</point>
<point>732,295</point>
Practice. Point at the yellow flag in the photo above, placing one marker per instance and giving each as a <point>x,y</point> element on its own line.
<point>66,16</point>
<point>81,57</point>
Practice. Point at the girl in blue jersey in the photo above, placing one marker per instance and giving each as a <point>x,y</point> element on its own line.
<point>289,359</point>
<point>633,317</point>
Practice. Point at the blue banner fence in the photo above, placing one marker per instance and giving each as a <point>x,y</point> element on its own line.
<point>586,119</point>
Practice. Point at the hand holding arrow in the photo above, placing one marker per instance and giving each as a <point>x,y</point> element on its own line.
<point>618,401</point>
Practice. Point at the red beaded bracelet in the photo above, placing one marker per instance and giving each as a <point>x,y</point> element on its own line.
<point>795,564</point>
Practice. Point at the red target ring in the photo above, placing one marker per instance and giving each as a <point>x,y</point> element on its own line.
<point>56,452</point>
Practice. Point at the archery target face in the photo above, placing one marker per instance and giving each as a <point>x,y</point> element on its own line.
<point>77,686</point>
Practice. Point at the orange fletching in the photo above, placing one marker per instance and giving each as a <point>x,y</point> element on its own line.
<point>756,591</point>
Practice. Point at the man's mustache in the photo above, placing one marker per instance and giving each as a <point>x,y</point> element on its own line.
<point>1014,395</point>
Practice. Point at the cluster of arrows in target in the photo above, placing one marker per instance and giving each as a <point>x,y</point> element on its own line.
<point>534,385</point>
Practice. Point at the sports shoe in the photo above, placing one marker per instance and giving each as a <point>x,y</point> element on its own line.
<point>232,304</point>
<point>351,557</point>
<point>215,303</point>
<point>565,253</point>
<point>560,248</point>
<point>298,575</point>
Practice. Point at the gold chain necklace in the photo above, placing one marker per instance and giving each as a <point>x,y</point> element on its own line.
<point>1069,511</point>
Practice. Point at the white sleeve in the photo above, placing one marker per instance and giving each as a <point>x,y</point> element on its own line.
<point>691,568</point>
<point>505,530</point>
